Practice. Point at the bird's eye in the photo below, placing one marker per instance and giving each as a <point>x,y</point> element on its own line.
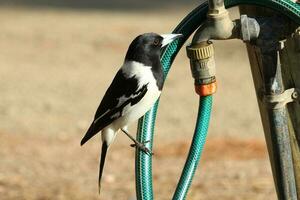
<point>156,42</point>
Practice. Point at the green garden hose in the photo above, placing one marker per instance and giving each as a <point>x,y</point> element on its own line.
<point>196,148</point>
<point>188,25</point>
<point>143,163</point>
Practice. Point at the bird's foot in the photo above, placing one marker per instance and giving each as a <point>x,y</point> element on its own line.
<point>137,144</point>
<point>142,147</point>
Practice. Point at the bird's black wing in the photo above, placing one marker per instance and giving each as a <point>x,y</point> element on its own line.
<point>122,92</point>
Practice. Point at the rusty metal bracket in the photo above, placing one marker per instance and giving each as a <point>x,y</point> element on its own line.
<point>280,100</point>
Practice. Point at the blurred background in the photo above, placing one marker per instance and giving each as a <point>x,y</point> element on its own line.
<point>57,57</point>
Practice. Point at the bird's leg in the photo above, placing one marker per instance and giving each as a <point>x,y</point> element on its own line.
<point>138,144</point>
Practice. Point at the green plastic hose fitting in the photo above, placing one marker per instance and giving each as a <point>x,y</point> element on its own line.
<point>203,67</point>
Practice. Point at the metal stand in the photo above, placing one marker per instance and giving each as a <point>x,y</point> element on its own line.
<point>266,55</point>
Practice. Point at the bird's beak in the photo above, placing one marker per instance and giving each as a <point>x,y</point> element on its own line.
<point>168,38</point>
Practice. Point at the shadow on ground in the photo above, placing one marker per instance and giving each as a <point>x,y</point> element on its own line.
<point>100,4</point>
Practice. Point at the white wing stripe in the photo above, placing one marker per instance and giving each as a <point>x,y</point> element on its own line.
<point>95,121</point>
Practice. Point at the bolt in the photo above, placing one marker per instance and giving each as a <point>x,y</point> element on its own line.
<point>295,95</point>
<point>249,28</point>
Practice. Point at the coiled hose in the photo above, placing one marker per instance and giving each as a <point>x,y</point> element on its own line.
<point>144,186</point>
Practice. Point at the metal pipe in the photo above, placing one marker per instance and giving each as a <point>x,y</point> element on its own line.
<point>282,155</point>
<point>266,71</point>
<point>269,45</point>
<point>216,4</point>
<point>219,26</point>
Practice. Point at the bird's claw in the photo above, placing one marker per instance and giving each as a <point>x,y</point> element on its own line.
<point>142,147</point>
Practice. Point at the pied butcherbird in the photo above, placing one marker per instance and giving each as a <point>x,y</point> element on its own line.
<point>133,91</point>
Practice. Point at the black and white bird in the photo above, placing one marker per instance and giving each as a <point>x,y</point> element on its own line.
<point>133,91</point>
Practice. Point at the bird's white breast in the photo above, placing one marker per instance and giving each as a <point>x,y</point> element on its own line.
<point>144,76</point>
<point>141,72</point>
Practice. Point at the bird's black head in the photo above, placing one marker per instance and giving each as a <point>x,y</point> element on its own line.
<point>146,48</point>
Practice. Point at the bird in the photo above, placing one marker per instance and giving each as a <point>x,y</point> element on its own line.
<point>132,92</point>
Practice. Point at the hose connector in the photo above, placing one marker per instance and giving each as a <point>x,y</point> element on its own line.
<point>203,68</point>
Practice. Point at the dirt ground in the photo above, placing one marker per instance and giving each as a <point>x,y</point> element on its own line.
<point>55,65</point>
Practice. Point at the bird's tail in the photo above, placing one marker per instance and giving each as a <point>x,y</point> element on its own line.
<point>102,161</point>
